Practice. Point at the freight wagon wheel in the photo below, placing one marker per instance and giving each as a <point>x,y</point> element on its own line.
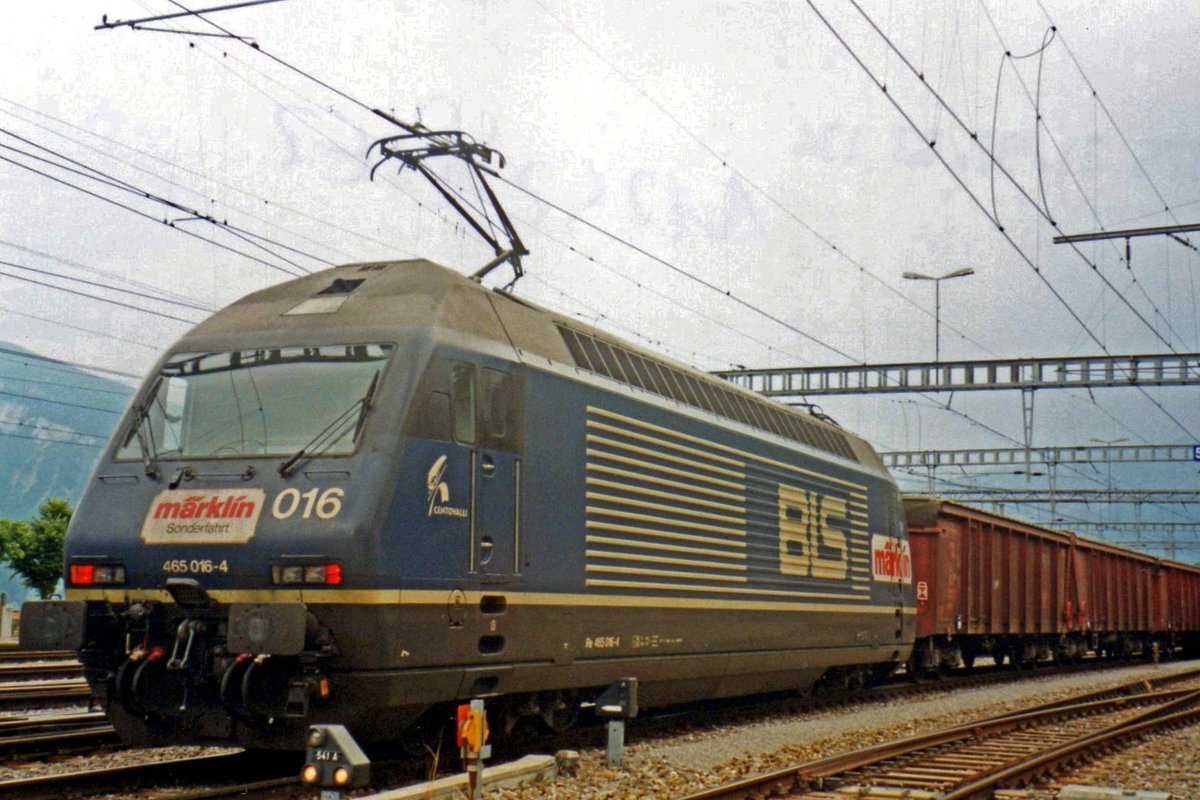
<point>916,673</point>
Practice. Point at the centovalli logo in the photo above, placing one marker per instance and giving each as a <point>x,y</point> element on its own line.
<point>439,491</point>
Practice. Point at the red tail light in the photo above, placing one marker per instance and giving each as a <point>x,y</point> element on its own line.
<point>83,574</point>
<point>306,574</point>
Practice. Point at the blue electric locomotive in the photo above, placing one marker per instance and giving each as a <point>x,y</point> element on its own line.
<point>371,492</point>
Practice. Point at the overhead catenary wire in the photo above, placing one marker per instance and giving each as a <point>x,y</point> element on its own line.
<point>108,286</point>
<point>594,226</point>
<point>67,403</point>
<point>992,158</point>
<point>98,298</point>
<point>1112,120</point>
<point>55,429</point>
<point>258,199</point>
<point>1041,123</point>
<point>679,270</point>
<point>42,439</point>
<point>39,382</point>
<point>82,329</point>
<point>159,294</point>
<point>143,214</point>
<point>104,178</point>
<point>975,199</point>
<point>774,201</point>
<point>771,199</point>
<point>61,364</point>
<point>318,82</point>
<point>463,198</point>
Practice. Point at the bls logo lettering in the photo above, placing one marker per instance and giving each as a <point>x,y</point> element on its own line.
<point>809,545</point>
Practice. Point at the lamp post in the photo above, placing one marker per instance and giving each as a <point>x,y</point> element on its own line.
<point>937,301</point>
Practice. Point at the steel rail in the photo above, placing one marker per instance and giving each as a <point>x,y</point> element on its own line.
<point>206,769</point>
<point>18,672</point>
<point>800,780</point>
<point>10,652</point>
<point>44,692</point>
<point>1182,710</point>
<point>54,733</point>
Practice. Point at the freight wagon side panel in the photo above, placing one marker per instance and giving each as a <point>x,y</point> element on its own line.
<point>985,575</point>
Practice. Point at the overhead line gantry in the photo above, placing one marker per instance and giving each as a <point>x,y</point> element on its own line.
<point>1027,374</point>
<point>1049,456</point>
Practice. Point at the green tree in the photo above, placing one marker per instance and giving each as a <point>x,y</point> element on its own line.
<point>34,549</point>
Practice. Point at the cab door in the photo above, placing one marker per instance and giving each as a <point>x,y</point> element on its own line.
<point>486,410</point>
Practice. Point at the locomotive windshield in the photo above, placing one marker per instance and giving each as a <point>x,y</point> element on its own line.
<point>269,402</point>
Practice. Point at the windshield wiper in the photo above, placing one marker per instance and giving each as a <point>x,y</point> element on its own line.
<point>333,431</point>
<point>366,407</point>
<point>146,439</point>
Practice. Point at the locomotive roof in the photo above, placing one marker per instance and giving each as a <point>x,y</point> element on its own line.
<point>377,301</point>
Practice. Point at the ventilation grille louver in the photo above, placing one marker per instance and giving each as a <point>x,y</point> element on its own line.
<point>612,361</point>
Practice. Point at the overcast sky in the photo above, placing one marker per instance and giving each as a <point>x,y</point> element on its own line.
<point>740,142</point>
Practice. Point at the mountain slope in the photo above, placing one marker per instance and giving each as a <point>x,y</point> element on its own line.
<point>54,421</point>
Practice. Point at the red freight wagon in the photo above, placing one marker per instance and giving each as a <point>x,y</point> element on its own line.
<point>995,586</point>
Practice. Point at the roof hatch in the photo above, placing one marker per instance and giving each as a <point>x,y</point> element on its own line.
<point>329,299</point>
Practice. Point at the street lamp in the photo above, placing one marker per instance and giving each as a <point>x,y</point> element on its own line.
<point>937,301</point>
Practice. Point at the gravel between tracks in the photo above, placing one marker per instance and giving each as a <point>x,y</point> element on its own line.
<point>670,767</point>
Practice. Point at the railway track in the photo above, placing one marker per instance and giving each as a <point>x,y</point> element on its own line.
<point>40,678</point>
<point>9,653</point>
<point>83,731</point>
<point>44,693</point>
<point>240,767</point>
<point>40,670</point>
<point>58,734</point>
<point>974,759</point>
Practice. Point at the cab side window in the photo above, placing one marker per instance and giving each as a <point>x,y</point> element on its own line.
<point>462,399</point>
<point>501,408</point>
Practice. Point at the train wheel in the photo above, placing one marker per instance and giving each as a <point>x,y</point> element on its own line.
<point>558,711</point>
<point>264,687</point>
<point>916,673</point>
<point>155,689</point>
<point>123,684</point>
<point>880,673</point>
<point>231,686</point>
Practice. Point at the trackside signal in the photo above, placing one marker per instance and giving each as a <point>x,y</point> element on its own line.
<point>334,761</point>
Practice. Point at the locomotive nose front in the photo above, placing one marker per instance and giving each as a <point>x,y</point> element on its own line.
<point>219,509</point>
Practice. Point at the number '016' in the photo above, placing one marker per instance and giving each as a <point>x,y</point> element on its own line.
<point>326,504</point>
